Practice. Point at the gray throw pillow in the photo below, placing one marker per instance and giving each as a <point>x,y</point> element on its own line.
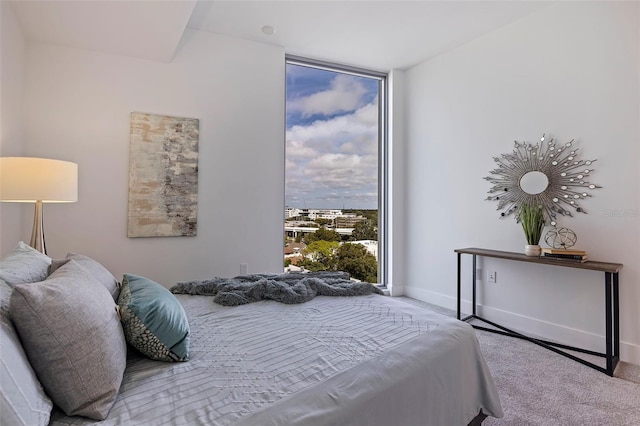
<point>72,336</point>
<point>24,265</point>
<point>98,271</point>
<point>153,320</point>
<point>22,399</point>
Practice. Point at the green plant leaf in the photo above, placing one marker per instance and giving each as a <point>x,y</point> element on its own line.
<point>532,220</point>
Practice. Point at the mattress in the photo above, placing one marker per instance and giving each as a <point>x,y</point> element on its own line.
<point>366,360</point>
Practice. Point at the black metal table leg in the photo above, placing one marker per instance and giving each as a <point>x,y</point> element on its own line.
<point>616,317</point>
<point>459,275</point>
<point>473,276</point>
<point>609,322</point>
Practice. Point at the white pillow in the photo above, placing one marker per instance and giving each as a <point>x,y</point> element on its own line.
<point>24,265</point>
<point>22,398</point>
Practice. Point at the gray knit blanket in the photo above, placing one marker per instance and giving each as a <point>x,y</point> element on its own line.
<point>285,288</point>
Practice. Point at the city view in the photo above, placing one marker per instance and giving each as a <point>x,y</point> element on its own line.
<point>332,240</point>
<point>332,127</point>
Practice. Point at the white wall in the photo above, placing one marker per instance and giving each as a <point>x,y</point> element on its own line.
<point>570,70</point>
<point>11,86</point>
<point>77,105</point>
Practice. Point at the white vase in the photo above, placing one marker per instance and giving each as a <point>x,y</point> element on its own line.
<point>532,250</point>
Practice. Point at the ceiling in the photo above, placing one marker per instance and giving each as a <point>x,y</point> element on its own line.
<point>379,35</point>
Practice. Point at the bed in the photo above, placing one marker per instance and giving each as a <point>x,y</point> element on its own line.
<point>363,360</point>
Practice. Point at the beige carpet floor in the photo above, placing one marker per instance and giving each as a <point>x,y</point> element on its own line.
<point>540,387</point>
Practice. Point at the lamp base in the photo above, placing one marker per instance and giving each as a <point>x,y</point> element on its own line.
<point>37,234</point>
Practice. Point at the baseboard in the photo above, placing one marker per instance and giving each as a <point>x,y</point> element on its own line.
<point>396,290</point>
<point>432,297</point>
<point>629,352</point>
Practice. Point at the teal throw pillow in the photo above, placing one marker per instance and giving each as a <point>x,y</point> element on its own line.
<point>153,320</point>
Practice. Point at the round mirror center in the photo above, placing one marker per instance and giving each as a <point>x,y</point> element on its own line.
<point>534,182</point>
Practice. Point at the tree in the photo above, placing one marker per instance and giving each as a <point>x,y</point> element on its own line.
<point>357,261</point>
<point>310,265</point>
<point>321,234</point>
<point>364,230</point>
<point>321,255</point>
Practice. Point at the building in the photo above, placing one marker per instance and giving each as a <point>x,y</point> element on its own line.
<point>294,252</point>
<point>348,221</point>
<point>324,214</point>
<point>314,214</point>
<point>290,212</point>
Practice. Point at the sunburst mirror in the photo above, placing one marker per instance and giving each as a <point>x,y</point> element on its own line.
<point>546,174</point>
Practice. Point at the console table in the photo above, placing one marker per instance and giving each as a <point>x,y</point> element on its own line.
<point>611,296</point>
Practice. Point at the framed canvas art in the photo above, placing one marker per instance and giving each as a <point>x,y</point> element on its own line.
<point>163,176</point>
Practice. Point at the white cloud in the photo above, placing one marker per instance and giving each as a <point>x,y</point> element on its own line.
<point>299,149</point>
<point>369,113</point>
<point>350,133</point>
<point>334,162</point>
<point>339,154</point>
<point>290,166</point>
<point>342,128</point>
<point>342,171</point>
<point>345,94</point>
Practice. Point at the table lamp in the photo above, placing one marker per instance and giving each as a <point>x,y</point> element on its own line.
<point>38,180</point>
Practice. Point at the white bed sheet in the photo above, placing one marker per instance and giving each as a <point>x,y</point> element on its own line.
<point>365,360</point>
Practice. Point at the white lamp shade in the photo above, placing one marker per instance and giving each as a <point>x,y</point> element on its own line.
<point>27,180</point>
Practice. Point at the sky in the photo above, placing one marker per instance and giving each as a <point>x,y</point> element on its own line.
<point>331,140</point>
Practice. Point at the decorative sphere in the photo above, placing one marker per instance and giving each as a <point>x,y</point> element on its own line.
<point>560,238</point>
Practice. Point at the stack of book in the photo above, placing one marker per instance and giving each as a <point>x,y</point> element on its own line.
<point>564,255</point>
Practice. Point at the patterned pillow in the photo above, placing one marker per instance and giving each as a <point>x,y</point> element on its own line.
<point>22,399</point>
<point>98,271</point>
<point>153,320</point>
<point>24,265</point>
<point>72,336</point>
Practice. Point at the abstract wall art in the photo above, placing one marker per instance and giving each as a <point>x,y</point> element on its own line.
<point>163,176</point>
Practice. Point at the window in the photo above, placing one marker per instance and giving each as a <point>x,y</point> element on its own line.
<point>335,169</point>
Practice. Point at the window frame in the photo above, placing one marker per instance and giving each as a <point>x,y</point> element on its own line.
<point>383,147</point>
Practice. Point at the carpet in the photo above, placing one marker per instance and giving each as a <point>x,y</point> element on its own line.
<point>540,387</point>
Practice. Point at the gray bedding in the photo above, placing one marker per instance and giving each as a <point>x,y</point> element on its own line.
<point>285,288</point>
<point>366,360</point>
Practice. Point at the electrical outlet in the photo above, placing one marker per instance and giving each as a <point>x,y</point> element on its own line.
<point>492,277</point>
<point>244,268</point>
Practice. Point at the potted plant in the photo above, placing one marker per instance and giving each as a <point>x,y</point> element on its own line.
<point>532,220</point>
